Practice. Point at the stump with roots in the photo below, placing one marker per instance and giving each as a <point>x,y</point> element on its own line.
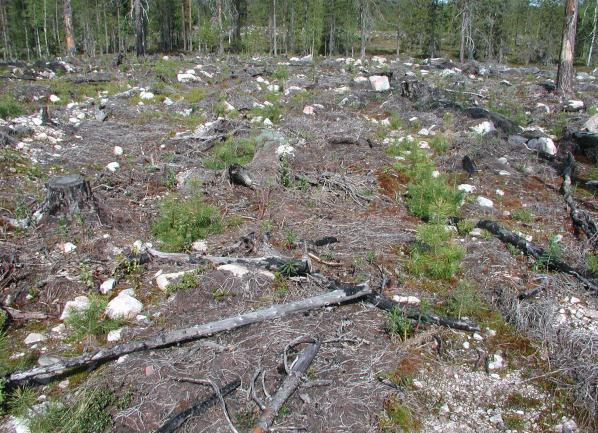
<point>70,195</point>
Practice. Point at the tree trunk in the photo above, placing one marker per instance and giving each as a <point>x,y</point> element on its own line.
<point>220,35</point>
<point>565,72</point>
<point>46,28</point>
<point>464,25</point>
<point>398,31</point>
<point>69,35</point>
<point>4,25</point>
<point>590,51</point>
<point>432,24</point>
<point>274,39</point>
<point>139,45</point>
<point>361,29</point>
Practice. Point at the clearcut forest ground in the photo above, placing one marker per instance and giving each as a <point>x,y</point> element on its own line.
<point>381,172</point>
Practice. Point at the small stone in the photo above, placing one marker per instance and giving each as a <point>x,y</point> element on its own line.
<point>54,98</point>
<point>124,307</point>
<point>496,419</point>
<point>477,232</point>
<point>200,246</point>
<point>59,329</point>
<point>466,345</point>
<point>412,300</point>
<point>477,337</point>
<point>113,166</point>
<point>466,188</point>
<point>236,270</point>
<point>122,359</point>
<point>64,384</point>
<point>107,286</point>
<point>500,192</point>
<point>574,300</point>
<point>80,303</point>
<point>543,144</point>
<point>149,370</point>
<point>118,151</point>
<point>484,202</point>
<point>114,335</point>
<point>483,128</point>
<point>496,363</point>
<point>34,337</point>
<point>69,247</point>
<point>268,122</point>
<point>273,88</point>
<point>308,110</point>
<point>502,161</point>
<point>146,95</point>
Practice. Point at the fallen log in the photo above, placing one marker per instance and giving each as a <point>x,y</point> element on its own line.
<point>554,264</point>
<point>288,387</point>
<point>15,314</point>
<point>581,219</point>
<point>93,359</point>
<point>286,265</point>
<point>386,304</point>
<point>197,409</point>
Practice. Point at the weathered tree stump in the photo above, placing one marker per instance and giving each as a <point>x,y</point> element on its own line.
<point>69,196</point>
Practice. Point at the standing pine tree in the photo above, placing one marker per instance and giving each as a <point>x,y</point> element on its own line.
<point>564,78</point>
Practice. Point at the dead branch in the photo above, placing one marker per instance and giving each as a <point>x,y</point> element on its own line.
<point>290,266</point>
<point>173,423</point>
<point>166,339</point>
<point>288,387</point>
<point>581,219</point>
<point>335,181</point>
<point>553,263</point>
<point>386,304</point>
<point>24,315</point>
<point>324,262</point>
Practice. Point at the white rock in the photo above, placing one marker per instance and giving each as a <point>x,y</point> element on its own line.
<point>228,107</point>
<point>575,105</point>
<point>466,345</point>
<point>118,151</point>
<point>591,124</point>
<point>424,145</point>
<point>107,286</point>
<point>413,300</point>
<point>200,246</point>
<point>80,303</point>
<point>465,187</point>
<point>496,362</point>
<point>35,337</point>
<point>114,335</point>
<point>20,425</point>
<point>285,150</point>
<point>59,329</point>
<point>190,71</point>
<point>268,122</point>
<point>484,202</point>
<point>342,90</point>
<point>504,173</point>
<point>544,107</point>
<point>146,95</point>
<point>379,83</point>
<point>257,119</point>
<point>113,166</point>
<point>483,128</point>
<point>500,192</point>
<point>435,173</point>
<point>69,247</point>
<point>273,88</point>
<point>123,307</point>
<point>54,98</point>
<point>574,300</point>
<point>379,59</point>
<point>129,292</point>
<point>186,78</point>
<point>385,122</point>
<point>502,161</point>
<point>496,419</point>
<point>477,337</point>
<point>424,132</point>
<point>309,110</point>
<point>448,72</point>
<point>360,80</point>
<point>476,232</point>
<point>236,270</point>
<point>542,144</point>
<point>122,359</point>
<point>262,80</point>
<point>168,102</point>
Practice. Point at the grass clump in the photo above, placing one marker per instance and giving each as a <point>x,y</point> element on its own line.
<point>395,121</point>
<point>9,107</point>
<point>592,261</point>
<point>398,418</point>
<point>187,281</point>
<point>440,143</point>
<point>232,151</point>
<point>281,73</point>
<point>514,422</point>
<point>183,220</point>
<point>91,322</point>
<point>88,413</point>
<point>397,324</point>
<point>552,254</point>
<point>465,301</point>
<point>435,254</point>
<point>523,215</point>
<point>195,95</point>
<point>20,401</point>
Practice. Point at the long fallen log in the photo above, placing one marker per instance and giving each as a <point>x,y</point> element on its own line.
<point>196,409</point>
<point>288,387</point>
<point>581,219</point>
<point>196,332</point>
<point>386,304</point>
<point>287,265</point>
<point>554,264</point>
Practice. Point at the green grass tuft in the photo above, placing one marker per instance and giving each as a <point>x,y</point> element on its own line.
<point>184,220</point>
<point>9,107</point>
<point>239,151</point>
<point>91,322</point>
<point>398,325</point>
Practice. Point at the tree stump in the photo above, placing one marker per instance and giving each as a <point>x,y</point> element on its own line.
<point>70,195</point>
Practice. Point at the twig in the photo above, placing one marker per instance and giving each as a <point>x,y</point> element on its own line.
<point>324,262</point>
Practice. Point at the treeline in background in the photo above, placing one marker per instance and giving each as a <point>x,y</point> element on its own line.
<point>516,31</point>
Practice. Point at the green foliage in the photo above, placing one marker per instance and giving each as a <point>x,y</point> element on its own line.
<point>20,401</point>
<point>559,124</point>
<point>553,253</point>
<point>280,284</point>
<point>398,417</point>
<point>187,281</point>
<point>522,214</point>
<point>592,261</point>
<point>281,73</point>
<point>168,68</point>
<point>435,255</point>
<point>290,238</point>
<point>272,110</point>
<point>85,274</point>
<point>9,107</point>
<point>433,198</point>
<point>195,95</point>
<point>239,151</point>
<point>88,413</point>
<point>513,422</point>
<point>3,320</point>
<point>465,301</point>
<point>91,322</point>
<point>398,325</point>
<point>465,226</point>
<point>288,269</point>
<point>395,121</point>
<point>440,143</point>
<point>284,171</point>
<point>221,294</point>
<point>245,419</point>
<point>183,220</point>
